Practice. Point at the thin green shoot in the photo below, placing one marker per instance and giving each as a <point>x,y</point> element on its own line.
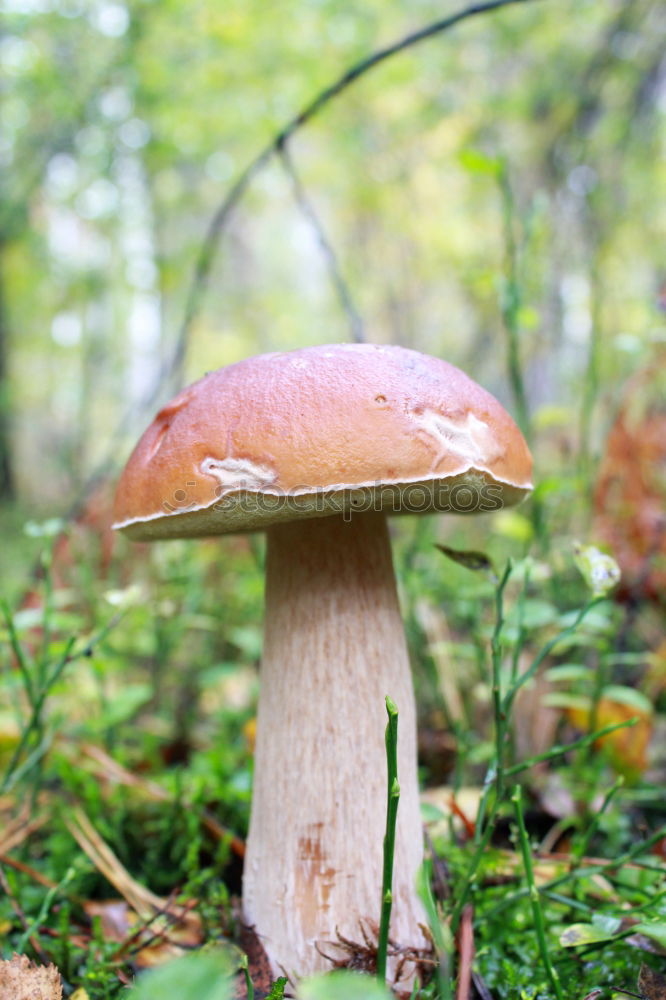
<point>499,709</point>
<point>580,849</point>
<point>545,651</point>
<point>39,694</point>
<point>249,985</point>
<point>563,748</point>
<point>494,776</point>
<point>472,869</point>
<point>18,651</point>
<point>393,799</point>
<point>33,927</point>
<point>537,912</point>
<point>42,658</point>
<point>16,772</point>
<point>440,930</point>
<point>511,300</point>
<point>34,723</point>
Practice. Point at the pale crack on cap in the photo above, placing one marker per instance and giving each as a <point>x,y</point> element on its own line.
<point>235,474</point>
<point>469,438</point>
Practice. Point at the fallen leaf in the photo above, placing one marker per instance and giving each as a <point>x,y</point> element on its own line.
<point>644,943</point>
<point>441,808</point>
<point>477,561</point>
<point>656,932</point>
<point>115,917</point>
<point>651,984</point>
<point>583,934</point>
<point>627,747</point>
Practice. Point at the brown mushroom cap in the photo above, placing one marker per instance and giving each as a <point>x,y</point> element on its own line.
<point>319,431</point>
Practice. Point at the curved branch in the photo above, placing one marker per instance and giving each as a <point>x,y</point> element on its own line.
<point>340,286</point>
<point>224,212</point>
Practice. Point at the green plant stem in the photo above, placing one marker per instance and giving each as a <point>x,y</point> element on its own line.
<point>586,871</point>
<point>47,617</point>
<point>35,724</point>
<point>33,927</point>
<point>392,801</point>
<point>545,651</point>
<point>35,721</point>
<point>569,903</point>
<point>481,846</point>
<point>488,789</point>
<point>495,774</point>
<point>19,655</point>
<point>562,748</point>
<point>522,631</point>
<point>440,930</point>
<point>580,850</point>
<point>498,708</point>
<point>249,985</point>
<point>512,301</point>
<point>18,771</point>
<point>494,781</point>
<point>601,676</point>
<point>535,900</point>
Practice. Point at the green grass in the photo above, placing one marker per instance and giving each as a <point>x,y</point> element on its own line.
<point>158,677</point>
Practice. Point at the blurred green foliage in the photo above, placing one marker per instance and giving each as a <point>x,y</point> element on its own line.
<point>494,186</point>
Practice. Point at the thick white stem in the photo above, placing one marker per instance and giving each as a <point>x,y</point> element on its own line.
<point>334,647</point>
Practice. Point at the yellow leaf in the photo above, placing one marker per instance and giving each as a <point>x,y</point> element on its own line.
<point>250,733</point>
<point>627,748</point>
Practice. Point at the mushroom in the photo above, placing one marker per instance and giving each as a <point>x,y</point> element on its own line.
<point>316,447</point>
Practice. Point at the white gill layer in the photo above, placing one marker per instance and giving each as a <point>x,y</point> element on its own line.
<point>469,438</point>
<point>472,475</point>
